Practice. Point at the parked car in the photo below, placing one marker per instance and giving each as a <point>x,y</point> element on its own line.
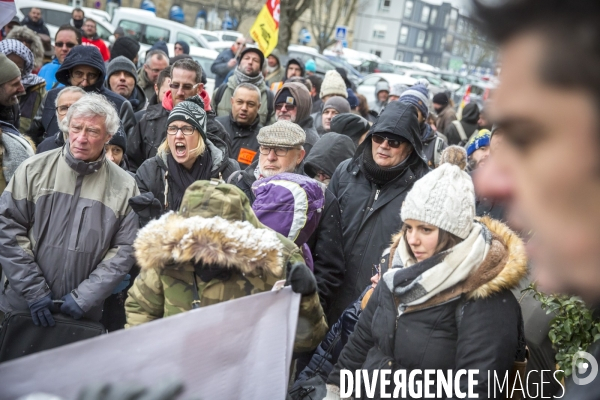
<point>209,36</point>
<point>55,15</point>
<point>220,45</point>
<point>304,53</point>
<point>148,29</point>
<point>370,67</point>
<point>436,85</point>
<point>227,36</point>
<point>367,86</point>
<point>353,74</point>
<point>477,92</point>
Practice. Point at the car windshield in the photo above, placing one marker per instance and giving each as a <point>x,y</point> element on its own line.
<point>205,63</point>
<point>210,38</point>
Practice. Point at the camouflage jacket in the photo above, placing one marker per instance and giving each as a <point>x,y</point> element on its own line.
<point>239,258</point>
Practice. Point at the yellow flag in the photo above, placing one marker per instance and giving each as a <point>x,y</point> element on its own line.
<point>266,27</point>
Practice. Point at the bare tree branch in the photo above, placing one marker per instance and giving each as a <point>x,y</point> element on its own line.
<point>290,11</point>
<point>327,16</point>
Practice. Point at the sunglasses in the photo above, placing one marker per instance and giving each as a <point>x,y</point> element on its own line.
<point>68,44</point>
<point>393,143</point>
<point>289,107</point>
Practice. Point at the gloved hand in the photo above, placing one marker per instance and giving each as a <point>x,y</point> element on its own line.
<point>70,307</point>
<point>146,206</point>
<point>301,279</point>
<point>41,311</point>
<point>123,285</point>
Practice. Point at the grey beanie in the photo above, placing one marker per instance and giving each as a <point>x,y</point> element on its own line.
<point>339,104</point>
<point>8,69</point>
<point>121,63</point>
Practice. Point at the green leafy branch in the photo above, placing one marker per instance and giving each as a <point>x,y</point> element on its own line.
<point>572,329</point>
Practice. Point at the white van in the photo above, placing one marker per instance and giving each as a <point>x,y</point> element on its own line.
<point>55,15</point>
<point>148,29</point>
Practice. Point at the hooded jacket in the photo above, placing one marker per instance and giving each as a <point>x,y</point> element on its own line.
<point>277,85</point>
<point>433,145</point>
<point>378,105</point>
<point>325,243</point>
<point>230,267</point>
<point>304,105</point>
<point>351,125</point>
<point>278,73</point>
<point>244,146</point>
<point>220,68</point>
<point>151,176</point>
<point>14,149</point>
<point>66,227</point>
<point>329,152</point>
<point>45,122</point>
<point>38,27</point>
<point>444,119</point>
<point>371,213</point>
<point>48,72</point>
<point>473,325</point>
<point>470,116</point>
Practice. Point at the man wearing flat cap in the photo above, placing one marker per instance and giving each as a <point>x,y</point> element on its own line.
<point>282,150</point>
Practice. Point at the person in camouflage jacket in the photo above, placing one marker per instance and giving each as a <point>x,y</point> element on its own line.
<point>216,240</point>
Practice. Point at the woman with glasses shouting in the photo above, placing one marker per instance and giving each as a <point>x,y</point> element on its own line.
<point>371,187</point>
<point>185,156</point>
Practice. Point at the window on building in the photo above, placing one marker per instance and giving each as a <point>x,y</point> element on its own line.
<point>442,43</point>
<point>420,39</point>
<point>446,20</point>
<point>453,17</point>
<point>384,5</point>
<point>460,27</point>
<point>376,52</point>
<point>417,58</point>
<point>400,56</point>
<point>403,35</point>
<point>425,59</point>
<point>425,14</point>
<point>408,9</point>
<point>429,40</point>
<point>433,17</point>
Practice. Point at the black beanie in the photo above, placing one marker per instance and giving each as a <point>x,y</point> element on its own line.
<point>351,125</point>
<point>125,46</point>
<point>118,139</point>
<point>440,98</point>
<point>285,96</point>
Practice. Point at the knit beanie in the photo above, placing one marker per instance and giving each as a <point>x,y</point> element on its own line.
<point>8,69</point>
<point>285,96</point>
<point>352,99</point>
<point>445,197</point>
<point>119,64</point>
<point>125,46</point>
<point>333,84</point>
<point>261,56</point>
<point>479,140</point>
<point>119,138</point>
<point>418,96</point>
<point>440,98</point>
<point>281,134</point>
<point>190,110</point>
<point>339,104</point>
<point>310,66</point>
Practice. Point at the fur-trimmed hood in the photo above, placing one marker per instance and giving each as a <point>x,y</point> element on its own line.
<point>503,268</point>
<point>173,240</point>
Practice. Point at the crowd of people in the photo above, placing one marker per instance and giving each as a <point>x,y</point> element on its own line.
<point>122,187</point>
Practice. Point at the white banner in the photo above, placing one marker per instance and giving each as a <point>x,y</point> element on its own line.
<point>239,349</point>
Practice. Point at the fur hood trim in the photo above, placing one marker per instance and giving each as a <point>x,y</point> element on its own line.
<point>173,240</point>
<point>503,268</point>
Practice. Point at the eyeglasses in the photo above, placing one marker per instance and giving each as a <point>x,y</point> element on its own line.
<point>393,143</point>
<point>62,110</point>
<point>68,44</point>
<point>279,151</point>
<point>186,130</point>
<point>90,76</point>
<point>186,87</point>
<point>289,107</point>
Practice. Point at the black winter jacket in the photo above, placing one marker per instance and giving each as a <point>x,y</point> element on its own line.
<point>151,131</point>
<point>329,152</point>
<point>219,66</point>
<point>38,27</point>
<point>151,175</point>
<point>45,122</point>
<point>325,243</point>
<point>242,137</point>
<point>470,116</point>
<point>312,137</point>
<point>476,325</point>
<point>370,213</point>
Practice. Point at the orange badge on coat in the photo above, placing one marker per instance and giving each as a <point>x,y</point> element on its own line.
<point>246,156</point>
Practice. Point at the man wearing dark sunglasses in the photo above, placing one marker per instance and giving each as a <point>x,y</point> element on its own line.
<point>83,67</point>
<point>66,38</point>
<point>371,187</point>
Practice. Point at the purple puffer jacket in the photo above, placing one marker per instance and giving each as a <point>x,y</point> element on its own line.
<point>290,204</point>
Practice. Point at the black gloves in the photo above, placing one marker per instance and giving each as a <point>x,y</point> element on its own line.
<point>71,308</point>
<point>41,311</point>
<point>301,279</point>
<point>146,206</point>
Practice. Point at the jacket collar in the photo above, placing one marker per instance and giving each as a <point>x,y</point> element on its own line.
<point>246,129</point>
<point>156,111</point>
<point>79,166</point>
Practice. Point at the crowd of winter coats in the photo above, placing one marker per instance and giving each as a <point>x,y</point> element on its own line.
<point>315,185</point>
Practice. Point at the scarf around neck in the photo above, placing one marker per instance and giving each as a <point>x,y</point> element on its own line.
<point>414,283</point>
<point>180,178</point>
<point>381,176</point>
<point>257,80</point>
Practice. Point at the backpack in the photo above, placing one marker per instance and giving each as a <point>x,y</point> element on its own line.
<point>461,132</point>
<point>270,100</point>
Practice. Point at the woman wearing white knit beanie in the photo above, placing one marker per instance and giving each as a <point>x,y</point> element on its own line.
<point>444,301</point>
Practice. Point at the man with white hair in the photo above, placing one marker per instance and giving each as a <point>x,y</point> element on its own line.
<point>66,228</point>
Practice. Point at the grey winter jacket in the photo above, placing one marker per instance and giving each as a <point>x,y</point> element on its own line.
<point>65,227</point>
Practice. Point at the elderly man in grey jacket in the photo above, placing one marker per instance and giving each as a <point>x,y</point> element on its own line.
<point>66,228</point>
